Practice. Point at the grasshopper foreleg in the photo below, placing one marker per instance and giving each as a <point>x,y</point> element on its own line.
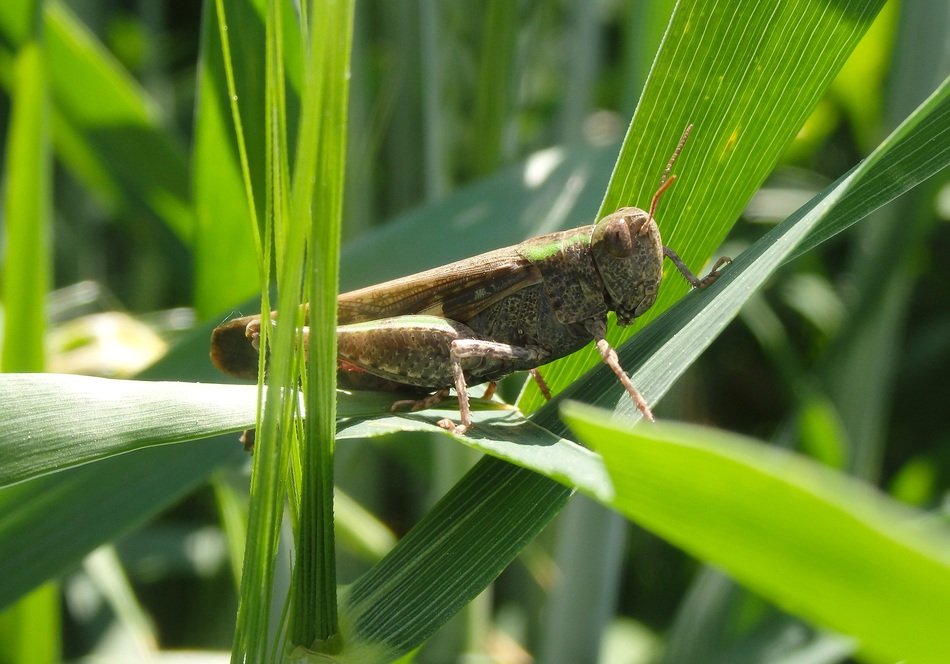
<point>695,281</point>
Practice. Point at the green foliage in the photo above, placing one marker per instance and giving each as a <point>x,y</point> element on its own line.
<point>836,324</point>
<point>813,541</point>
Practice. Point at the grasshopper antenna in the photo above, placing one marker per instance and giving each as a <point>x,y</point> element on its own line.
<point>665,183</point>
<point>667,180</point>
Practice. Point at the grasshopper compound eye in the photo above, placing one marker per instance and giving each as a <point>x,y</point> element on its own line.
<point>615,237</point>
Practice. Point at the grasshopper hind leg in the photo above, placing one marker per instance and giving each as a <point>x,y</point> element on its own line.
<point>462,349</point>
<point>431,354</point>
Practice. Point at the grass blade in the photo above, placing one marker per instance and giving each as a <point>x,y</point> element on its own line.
<point>30,630</point>
<point>314,621</point>
<point>27,204</point>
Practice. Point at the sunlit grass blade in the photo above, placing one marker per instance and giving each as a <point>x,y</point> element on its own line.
<point>315,188</point>
<point>321,158</point>
<point>30,630</point>
<point>256,634</point>
<point>726,69</point>
<point>813,541</point>
<point>27,263</point>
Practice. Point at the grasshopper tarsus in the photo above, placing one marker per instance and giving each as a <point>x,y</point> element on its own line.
<point>452,427</point>
<point>433,400</point>
<point>720,263</point>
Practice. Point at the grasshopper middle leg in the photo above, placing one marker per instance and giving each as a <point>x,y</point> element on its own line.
<point>598,330</point>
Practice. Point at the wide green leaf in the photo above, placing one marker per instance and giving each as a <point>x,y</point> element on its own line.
<point>815,542</point>
<point>67,421</point>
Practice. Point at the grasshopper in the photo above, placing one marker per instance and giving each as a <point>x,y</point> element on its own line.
<point>480,319</point>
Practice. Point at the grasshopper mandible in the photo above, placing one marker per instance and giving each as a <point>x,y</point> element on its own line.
<point>480,319</point>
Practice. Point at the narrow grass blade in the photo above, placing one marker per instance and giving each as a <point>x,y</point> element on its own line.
<point>314,620</point>
<point>27,262</point>
<point>30,630</point>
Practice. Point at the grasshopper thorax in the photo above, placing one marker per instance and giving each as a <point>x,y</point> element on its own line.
<point>628,252</point>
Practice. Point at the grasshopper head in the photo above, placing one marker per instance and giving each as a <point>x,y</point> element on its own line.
<point>628,253</point>
<point>234,347</point>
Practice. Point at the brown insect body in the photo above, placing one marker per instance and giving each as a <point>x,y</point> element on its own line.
<point>539,295</point>
<point>482,318</point>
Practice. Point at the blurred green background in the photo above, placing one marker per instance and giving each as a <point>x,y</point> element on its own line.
<point>147,240</point>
